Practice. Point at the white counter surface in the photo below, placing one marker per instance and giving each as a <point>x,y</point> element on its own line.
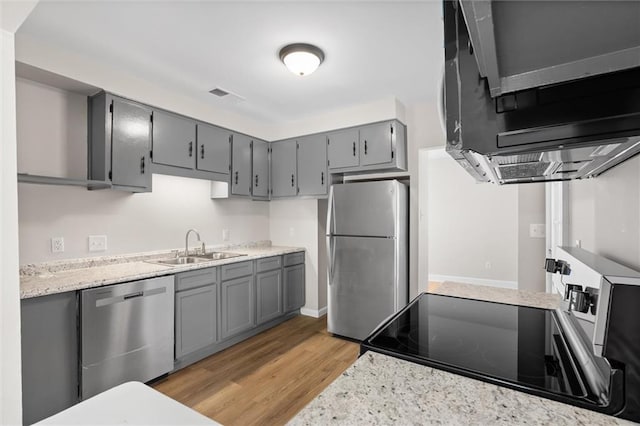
<point>69,275</point>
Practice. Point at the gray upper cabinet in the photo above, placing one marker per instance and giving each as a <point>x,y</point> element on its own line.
<point>241,165</point>
<point>284,168</point>
<point>373,147</point>
<point>119,142</point>
<point>312,165</point>
<point>376,144</point>
<point>260,162</point>
<point>343,149</point>
<point>174,139</point>
<point>213,153</point>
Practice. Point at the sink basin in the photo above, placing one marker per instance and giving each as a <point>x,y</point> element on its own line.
<point>207,257</point>
<point>181,260</point>
<point>217,255</point>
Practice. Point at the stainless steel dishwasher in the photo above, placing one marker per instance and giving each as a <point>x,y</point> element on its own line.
<point>126,333</point>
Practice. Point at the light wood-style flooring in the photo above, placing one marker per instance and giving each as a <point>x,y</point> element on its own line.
<point>266,379</point>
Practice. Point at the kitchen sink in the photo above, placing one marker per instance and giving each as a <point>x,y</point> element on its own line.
<point>207,257</point>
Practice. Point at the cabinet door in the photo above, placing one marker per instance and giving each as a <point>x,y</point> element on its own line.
<point>174,139</point>
<point>294,287</point>
<point>260,163</point>
<point>343,149</point>
<point>375,144</point>
<point>268,295</point>
<point>213,149</point>
<point>283,168</point>
<point>237,306</point>
<point>241,165</point>
<point>196,319</point>
<point>130,143</point>
<point>49,355</point>
<point>312,165</point>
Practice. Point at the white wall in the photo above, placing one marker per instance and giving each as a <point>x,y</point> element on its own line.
<point>12,15</point>
<point>604,213</point>
<point>132,222</point>
<point>295,223</point>
<point>472,227</point>
<point>531,251</point>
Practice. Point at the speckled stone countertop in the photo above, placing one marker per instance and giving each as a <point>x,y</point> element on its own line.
<point>382,390</point>
<point>77,274</point>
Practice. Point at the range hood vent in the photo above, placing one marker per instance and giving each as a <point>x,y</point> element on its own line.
<point>516,113</point>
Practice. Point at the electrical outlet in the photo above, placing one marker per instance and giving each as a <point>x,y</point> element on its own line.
<point>225,235</point>
<point>487,265</point>
<point>97,242</point>
<point>57,244</point>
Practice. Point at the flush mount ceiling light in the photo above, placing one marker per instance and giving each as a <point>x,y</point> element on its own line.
<point>301,58</point>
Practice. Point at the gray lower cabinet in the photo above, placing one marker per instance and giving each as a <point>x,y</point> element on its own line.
<point>174,139</point>
<point>312,165</point>
<point>119,142</point>
<point>260,163</point>
<point>294,282</point>
<point>284,158</point>
<point>213,153</point>
<point>49,355</point>
<point>241,165</point>
<point>268,295</point>
<point>237,306</point>
<point>196,315</point>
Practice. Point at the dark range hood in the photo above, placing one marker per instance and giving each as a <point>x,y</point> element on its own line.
<point>541,91</point>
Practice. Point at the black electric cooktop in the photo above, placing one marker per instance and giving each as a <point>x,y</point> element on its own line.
<point>517,346</point>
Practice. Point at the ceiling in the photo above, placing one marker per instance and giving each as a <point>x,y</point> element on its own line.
<point>373,50</point>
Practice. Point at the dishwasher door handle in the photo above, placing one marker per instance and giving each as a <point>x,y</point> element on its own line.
<point>132,295</point>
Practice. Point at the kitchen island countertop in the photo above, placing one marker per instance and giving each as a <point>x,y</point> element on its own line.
<point>381,390</point>
<point>77,274</point>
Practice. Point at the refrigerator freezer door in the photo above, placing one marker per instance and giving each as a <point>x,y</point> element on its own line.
<point>362,292</point>
<point>365,209</point>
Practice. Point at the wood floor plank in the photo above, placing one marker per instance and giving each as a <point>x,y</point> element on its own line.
<point>266,379</point>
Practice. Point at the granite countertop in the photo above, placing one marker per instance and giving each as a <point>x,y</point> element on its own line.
<point>77,274</point>
<point>381,390</point>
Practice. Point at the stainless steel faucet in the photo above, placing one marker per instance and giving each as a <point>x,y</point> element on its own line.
<point>186,241</point>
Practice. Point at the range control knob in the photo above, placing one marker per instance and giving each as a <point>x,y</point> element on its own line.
<point>579,301</point>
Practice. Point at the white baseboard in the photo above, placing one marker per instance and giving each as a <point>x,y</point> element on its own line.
<point>315,313</point>
<point>477,281</point>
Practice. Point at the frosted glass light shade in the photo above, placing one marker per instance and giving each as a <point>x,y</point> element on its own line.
<point>301,59</point>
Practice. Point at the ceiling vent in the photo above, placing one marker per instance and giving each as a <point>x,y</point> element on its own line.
<point>219,92</point>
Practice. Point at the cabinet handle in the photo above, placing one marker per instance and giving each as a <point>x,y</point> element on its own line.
<point>292,180</point>
<point>365,147</point>
<point>354,149</point>
<point>202,152</point>
<point>256,181</point>
<point>191,149</point>
<point>236,177</point>
<point>322,178</point>
<point>142,164</point>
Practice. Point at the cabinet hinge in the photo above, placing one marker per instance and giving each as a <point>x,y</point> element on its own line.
<point>392,154</point>
<point>391,125</point>
<point>229,167</point>
<point>151,118</point>
<point>328,141</point>
<point>230,138</point>
<point>151,155</point>
<point>328,163</point>
<point>110,175</point>
<point>111,108</point>
<point>297,145</point>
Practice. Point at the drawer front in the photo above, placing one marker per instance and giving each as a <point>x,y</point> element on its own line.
<point>194,279</point>
<point>268,263</point>
<point>294,258</point>
<point>235,270</point>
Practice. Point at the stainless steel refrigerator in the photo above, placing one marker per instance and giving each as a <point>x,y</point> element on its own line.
<point>367,255</point>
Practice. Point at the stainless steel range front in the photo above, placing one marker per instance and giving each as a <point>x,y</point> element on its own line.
<point>587,353</point>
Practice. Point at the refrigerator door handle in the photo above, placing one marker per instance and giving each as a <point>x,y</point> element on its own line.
<point>331,213</point>
<point>330,258</point>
